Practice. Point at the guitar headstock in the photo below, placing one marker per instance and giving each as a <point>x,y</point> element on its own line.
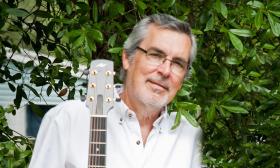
<point>100,92</point>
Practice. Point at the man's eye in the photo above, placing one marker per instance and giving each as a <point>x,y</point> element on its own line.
<point>158,55</point>
<point>179,64</point>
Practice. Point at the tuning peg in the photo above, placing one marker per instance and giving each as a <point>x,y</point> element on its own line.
<point>108,73</point>
<point>109,99</point>
<point>93,72</point>
<point>92,85</point>
<point>91,98</point>
<point>108,86</point>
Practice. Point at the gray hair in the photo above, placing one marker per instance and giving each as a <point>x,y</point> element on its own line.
<point>163,21</point>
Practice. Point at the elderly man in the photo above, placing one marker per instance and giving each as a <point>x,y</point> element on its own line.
<point>156,58</point>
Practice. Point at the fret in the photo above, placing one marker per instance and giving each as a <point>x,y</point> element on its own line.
<point>98,143</point>
<point>96,166</point>
<point>98,130</point>
<point>97,155</point>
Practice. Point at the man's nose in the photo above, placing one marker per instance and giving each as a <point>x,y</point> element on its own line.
<point>165,68</point>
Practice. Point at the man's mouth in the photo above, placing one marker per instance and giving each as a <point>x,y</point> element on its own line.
<point>159,84</point>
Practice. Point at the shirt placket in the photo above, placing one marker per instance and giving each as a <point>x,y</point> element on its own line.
<point>135,139</point>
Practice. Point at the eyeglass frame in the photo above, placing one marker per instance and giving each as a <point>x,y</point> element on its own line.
<point>164,58</point>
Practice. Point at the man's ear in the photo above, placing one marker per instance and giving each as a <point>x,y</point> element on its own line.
<point>125,61</point>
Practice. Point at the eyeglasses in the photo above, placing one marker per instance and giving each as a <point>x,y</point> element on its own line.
<point>157,58</point>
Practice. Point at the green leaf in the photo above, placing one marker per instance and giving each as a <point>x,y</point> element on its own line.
<point>275,26</point>
<point>95,12</point>
<point>255,4</point>
<point>197,32</point>
<point>78,42</point>
<point>71,94</point>
<point>276,13</point>
<point>96,34</point>
<point>225,72</point>
<point>177,120</point>
<point>190,118</point>
<point>120,8</point>
<point>16,76</point>
<point>141,4</point>
<point>235,109</point>
<point>224,10</point>
<point>211,113</point>
<point>32,90</point>
<point>210,24</point>
<point>73,35</point>
<point>17,12</point>
<point>29,64</point>
<point>268,46</point>
<point>236,42</point>
<point>254,74</point>
<point>187,106</point>
<point>112,40</point>
<point>231,60</point>
<point>241,32</point>
<point>167,3</point>
<point>221,8</point>
<point>12,87</point>
<point>259,20</point>
<point>49,90</point>
<point>43,14</point>
<point>115,50</point>
<point>19,95</point>
<point>68,8</point>
<point>26,38</point>
<point>90,41</point>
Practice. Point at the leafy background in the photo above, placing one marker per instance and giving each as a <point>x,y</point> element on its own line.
<point>233,93</point>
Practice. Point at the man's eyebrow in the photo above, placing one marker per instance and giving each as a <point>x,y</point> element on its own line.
<point>158,50</point>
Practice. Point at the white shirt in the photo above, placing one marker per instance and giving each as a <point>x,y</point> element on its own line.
<point>63,140</point>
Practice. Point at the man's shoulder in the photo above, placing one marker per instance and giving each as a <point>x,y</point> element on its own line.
<point>67,108</point>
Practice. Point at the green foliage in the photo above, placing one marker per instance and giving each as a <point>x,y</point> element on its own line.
<point>233,93</point>
<point>15,150</point>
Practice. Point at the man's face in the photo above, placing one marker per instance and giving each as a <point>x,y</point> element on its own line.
<point>156,86</point>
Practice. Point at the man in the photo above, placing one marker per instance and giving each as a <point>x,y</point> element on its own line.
<point>156,59</point>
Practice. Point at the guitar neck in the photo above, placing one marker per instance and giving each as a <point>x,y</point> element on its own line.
<point>99,101</point>
<point>97,145</point>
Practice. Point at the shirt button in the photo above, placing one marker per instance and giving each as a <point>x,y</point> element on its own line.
<point>121,120</point>
<point>129,115</point>
<point>138,142</point>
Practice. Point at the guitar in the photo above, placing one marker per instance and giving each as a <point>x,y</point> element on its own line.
<point>99,100</point>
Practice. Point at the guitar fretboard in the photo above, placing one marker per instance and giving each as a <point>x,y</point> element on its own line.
<point>97,145</point>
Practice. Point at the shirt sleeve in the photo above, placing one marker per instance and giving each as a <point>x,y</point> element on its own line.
<point>50,145</point>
